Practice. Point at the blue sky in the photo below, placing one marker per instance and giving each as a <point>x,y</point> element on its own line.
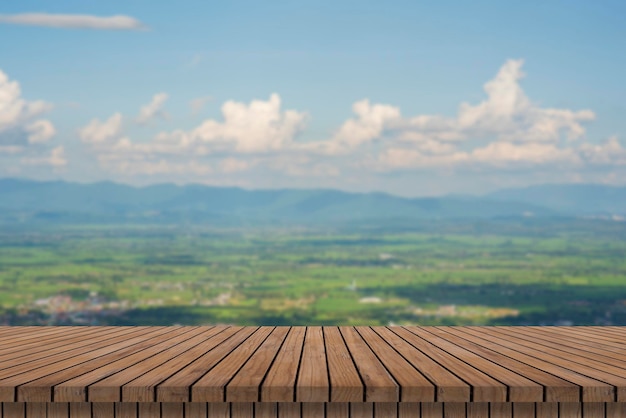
<point>412,98</point>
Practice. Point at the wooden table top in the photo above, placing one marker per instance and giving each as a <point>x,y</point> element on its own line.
<point>312,364</point>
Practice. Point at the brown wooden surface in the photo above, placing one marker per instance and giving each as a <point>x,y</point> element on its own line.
<point>312,410</point>
<point>428,366</point>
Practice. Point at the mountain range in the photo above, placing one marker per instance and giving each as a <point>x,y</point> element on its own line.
<point>24,201</point>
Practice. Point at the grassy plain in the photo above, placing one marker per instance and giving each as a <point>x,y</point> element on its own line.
<point>509,272</point>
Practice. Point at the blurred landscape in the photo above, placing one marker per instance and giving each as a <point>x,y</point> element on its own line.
<point>111,254</point>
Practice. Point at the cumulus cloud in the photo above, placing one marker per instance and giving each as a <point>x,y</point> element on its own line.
<point>22,133</point>
<point>74,21</point>
<point>611,152</point>
<point>98,132</point>
<point>15,111</point>
<point>154,109</point>
<point>370,123</point>
<point>505,130</point>
<point>40,131</point>
<point>259,126</point>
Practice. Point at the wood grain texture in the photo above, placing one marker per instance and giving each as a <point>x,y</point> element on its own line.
<point>345,383</point>
<point>62,410</point>
<point>547,410</point>
<point>337,410</point>
<point>477,409</point>
<point>80,410</point>
<point>312,384</point>
<point>409,410</point>
<point>454,371</point>
<point>379,384</point>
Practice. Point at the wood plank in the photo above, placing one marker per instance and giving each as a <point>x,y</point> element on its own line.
<point>361,409</point>
<point>432,410</point>
<point>591,389</point>
<point>500,410</point>
<point>19,347</point>
<point>593,410</point>
<point>280,381</point>
<point>414,387</point>
<point>409,410</point>
<point>11,377</point>
<point>379,384</point>
<point>36,360</point>
<point>36,410</point>
<point>242,410</point>
<point>143,388</point>
<point>101,409</point>
<point>14,409</point>
<point>212,386</point>
<point>345,383</point>
<point>108,389</point>
<point>195,410</point>
<point>570,410</point>
<point>312,384</point>
<point>148,409</point>
<point>26,338</point>
<point>602,390</point>
<point>265,410</point>
<point>313,409</point>
<point>455,410</point>
<point>524,409</point>
<point>615,410</point>
<point>218,410</point>
<point>386,409</point>
<point>568,339</point>
<point>484,387</point>
<point>289,410</point>
<point>596,357</point>
<point>478,409</point>
<point>245,385</point>
<point>547,410</point>
<point>172,410</point>
<point>520,388</point>
<point>555,388</point>
<point>62,410</point>
<point>338,410</point>
<point>41,389</point>
<point>80,410</point>
<point>177,387</point>
<point>75,389</point>
<point>125,410</point>
<point>449,387</point>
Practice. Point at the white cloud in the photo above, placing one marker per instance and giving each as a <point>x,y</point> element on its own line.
<point>22,133</point>
<point>154,109</point>
<point>260,126</point>
<point>15,111</point>
<point>198,104</point>
<point>74,21</point>
<point>506,130</point>
<point>40,131</point>
<point>499,153</point>
<point>611,152</point>
<point>97,132</point>
<point>370,123</point>
<point>56,159</point>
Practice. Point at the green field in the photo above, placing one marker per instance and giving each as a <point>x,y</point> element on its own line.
<point>560,272</point>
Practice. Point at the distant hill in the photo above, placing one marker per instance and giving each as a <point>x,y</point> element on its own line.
<point>25,201</point>
<point>570,199</point>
